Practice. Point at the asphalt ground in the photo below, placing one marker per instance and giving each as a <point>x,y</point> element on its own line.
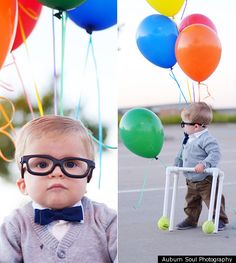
<point>139,238</point>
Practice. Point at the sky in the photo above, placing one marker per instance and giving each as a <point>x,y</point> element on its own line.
<point>39,68</point>
<point>142,83</point>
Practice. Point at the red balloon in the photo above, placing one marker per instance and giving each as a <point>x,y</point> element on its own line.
<point>196,19</point>
<point>29,12</point>
<point>8,22</point>
<point>198,51</point>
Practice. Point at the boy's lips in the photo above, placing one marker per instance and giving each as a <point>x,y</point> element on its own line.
<point>56,186</point>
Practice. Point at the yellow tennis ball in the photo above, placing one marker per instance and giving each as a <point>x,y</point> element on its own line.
<point>163,223</point>
<point>208,227</point>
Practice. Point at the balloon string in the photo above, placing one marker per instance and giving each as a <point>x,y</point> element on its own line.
<point>100,133</point>
<point>12,140</point>
<point>9,121</point>
<point>141,191</point>
<point>8,124</point>
<point>189,92</point>
<point>54,65</point>
<point>63,36</point>
<point>40,107</point>
<point>184,9</point>
<point>31,13</point>
<point>6,86</point>
<point>193,92</point>
<point>23,87</point>
<point>79,103</point>
<point>174,78</point>
<point>85,66</point>
<point>144,184</point>
<point>208,92</point>
<point>199,90</point>
<point>103,145</point>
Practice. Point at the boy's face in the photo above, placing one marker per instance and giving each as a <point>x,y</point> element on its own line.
<point>190,129</point>
<point>55,190</point>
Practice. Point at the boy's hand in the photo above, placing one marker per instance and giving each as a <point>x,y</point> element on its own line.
<point>199,168</point>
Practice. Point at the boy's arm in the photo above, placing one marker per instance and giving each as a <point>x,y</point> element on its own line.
<point>178,159</point>
<point>212,149</point>
<point>10,249</point>
<point>111,233</point>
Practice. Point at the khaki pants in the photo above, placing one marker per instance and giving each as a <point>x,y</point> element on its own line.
<point>196,193</point>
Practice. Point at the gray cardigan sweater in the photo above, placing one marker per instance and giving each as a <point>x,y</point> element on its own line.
<point>203,149</point>
<point>21,240</point>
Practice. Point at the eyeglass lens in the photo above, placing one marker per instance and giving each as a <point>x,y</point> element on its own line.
<point>45,165</point>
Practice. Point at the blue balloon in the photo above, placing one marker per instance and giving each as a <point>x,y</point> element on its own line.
<point>156,37</point>
<point>95,15</point>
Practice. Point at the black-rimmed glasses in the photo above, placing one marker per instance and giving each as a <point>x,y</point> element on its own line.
<point>42,165</point>
<point>183,123</point>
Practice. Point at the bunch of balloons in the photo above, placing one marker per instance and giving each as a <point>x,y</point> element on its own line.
<point>194,44</point>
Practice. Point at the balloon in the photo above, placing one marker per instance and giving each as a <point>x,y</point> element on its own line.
<point>8,23</point>
<point>95,15</point>
<point>198,51</point>
<point>29,12</point>
<point>156,37</point>
<point>166,7</point>
<point>196,19</point>
<point>62,4</point>
<point>141,132</point>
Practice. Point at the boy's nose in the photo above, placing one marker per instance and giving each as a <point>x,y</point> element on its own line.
<point>57,172</point>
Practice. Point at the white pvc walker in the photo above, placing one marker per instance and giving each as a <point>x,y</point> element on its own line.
<point>215,172</point>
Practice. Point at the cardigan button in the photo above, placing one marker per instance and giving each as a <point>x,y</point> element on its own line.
<point>61,254</point>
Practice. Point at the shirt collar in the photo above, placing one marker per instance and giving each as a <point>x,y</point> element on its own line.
<point>197,134</point>
<point>38,206</point>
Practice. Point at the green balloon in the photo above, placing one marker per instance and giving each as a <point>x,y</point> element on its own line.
<point>62,4</point>
<point>142,133</point>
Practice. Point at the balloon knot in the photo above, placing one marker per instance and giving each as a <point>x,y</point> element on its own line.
<point>89,30</point>
<point>59,14</point>
<point>156,158</point>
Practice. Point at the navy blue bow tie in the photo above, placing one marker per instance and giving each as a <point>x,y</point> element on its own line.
<point>46,216</point>
<point>186,137</point>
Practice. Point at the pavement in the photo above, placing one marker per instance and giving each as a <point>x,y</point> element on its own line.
<point>140,240</point>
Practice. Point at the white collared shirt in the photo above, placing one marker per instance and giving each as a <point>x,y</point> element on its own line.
<point>195,135</point>
<point>58,228</point>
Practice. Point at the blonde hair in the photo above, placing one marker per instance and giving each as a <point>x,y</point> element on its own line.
<point>52,124</point>
<point>198,112</point>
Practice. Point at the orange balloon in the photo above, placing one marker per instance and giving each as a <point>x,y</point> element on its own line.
<point>8,23</point>
<point>198,51</point>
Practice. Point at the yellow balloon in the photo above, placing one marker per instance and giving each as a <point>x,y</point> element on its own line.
<point>167,7</point>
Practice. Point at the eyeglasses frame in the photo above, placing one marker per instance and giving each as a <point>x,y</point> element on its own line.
<point>57,162</point>
<point>182,123</point>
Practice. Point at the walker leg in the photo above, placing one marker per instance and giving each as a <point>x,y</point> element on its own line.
<point>166,195</point>
<point>212,198</point>
<point>172,211</point>
<point>219,195</point>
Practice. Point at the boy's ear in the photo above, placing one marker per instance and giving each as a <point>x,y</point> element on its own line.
<point>21,185</point>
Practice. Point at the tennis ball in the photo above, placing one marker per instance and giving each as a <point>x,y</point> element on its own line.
<point>208,227</point>
<point>163,223</point>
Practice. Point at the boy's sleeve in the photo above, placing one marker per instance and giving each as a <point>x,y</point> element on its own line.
<point>10,249</point>
<point>111,233</point>
<point>212,149</point>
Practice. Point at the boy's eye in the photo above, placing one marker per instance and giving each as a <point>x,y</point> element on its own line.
<point>42,165</point>
<point>70,164</point>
